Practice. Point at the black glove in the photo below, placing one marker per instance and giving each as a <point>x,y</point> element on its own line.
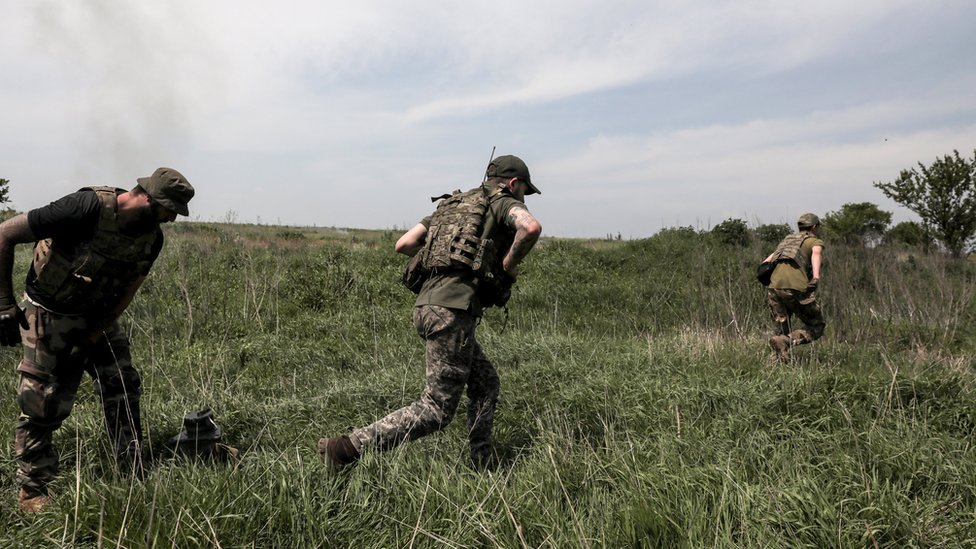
<point>812,285</point>
<point>11,320</point>
<point>496,291</point>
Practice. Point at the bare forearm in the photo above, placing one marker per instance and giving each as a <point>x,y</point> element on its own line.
<point>815,260</point>
<point>412,241</point>
<point>6,273</point>
<point>527,231</point>
<point>12,232</point>
<point>521,246</point>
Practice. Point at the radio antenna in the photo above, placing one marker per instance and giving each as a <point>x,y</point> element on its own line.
<point>490,158</point>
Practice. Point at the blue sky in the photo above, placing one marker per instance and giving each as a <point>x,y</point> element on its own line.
<point>632,115</point>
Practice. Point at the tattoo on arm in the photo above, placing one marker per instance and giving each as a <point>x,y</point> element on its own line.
<point>518,217</point>
<point>526,234</point>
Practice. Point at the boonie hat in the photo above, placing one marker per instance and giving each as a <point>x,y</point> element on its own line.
<point>509,166</point>
<point>808,220</point>
<point>197,426</point>
<point>168,187</point>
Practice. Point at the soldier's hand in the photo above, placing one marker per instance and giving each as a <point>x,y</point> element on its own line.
<point>812,286</point>
<point>11,320</point>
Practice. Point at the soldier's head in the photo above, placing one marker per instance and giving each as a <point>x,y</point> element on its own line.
<point>808,222</point>
<point>511,172</point>
<point>168,189</point>
<point>156,199</point>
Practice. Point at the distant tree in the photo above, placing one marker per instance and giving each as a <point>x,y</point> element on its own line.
<point>857,223</point>
<point>687,232</point>
<point>943,195</point>
<point>772,233</point>
<point>733,232</point>
<point>4,192</point>
<point>909,233</point>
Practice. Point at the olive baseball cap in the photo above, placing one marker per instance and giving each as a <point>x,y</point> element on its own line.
<point>808,220</point>
<point>509,166</point>
<point>168,187</point>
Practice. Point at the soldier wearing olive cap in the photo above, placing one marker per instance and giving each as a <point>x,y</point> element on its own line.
<point>93,249</point>
<point>446,313</point>
<point>793,287</point>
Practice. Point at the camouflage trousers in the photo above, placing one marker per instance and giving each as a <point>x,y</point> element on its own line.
<point>783,304</point>
<point>454,360</point>
<point>58,349</point>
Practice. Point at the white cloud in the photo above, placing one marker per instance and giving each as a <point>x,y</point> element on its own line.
<point>335,97</point>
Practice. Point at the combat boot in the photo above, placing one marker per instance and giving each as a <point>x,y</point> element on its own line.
<point>780,344</point>
<point>33,503</point>
<point>338,452</point>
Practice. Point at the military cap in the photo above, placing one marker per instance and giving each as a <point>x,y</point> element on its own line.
<point>808,220</point>
<point>168,187</point>
<point>509,166</point>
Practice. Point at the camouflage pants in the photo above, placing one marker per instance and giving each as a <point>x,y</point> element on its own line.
<point>783,304</point>
<point>454,359</point>
<point>57,351</point>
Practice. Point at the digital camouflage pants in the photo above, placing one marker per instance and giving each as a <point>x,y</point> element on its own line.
<point>58,349</point>
<point>783,304</point>
<point>454,360</point>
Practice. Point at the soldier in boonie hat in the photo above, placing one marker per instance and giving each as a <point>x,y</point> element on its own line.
<point>168,187</point>
<point>92,250</point>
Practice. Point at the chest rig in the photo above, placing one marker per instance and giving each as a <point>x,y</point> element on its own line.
<point>456,238</point>
<point>790,249</point>
<point>93,276</point>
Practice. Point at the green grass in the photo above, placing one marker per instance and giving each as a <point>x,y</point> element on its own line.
<point>638,407</point>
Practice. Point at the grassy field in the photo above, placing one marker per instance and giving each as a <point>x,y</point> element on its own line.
<point>638,406</point>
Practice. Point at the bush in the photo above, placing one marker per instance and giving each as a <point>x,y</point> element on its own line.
<point>733,232</point>
<point>772,233</point>
<point>909,233</point>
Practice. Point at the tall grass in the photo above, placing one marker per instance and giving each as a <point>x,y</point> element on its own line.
<point>638,406</point>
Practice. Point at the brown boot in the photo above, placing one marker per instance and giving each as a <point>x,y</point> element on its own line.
<point>338,452</point>
<point>33,503</point>
<point>780,344</point>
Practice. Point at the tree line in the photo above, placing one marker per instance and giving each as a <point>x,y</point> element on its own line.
<point>942,194</point>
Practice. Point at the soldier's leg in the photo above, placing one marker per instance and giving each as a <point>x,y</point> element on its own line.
<point>779,310</point>
<point>483,385</point>
<point>809,312</point>
<point>49,378</point>
<point>447,333</point>
<point>119,386</point>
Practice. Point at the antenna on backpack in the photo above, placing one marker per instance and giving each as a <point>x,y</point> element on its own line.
<point>490,158</point>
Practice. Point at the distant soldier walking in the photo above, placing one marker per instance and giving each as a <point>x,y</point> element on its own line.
<point>92,251</point>
<point>471,247</point>
<point>793,287</point>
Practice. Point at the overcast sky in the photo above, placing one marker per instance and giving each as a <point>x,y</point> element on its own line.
<point>631,115</point>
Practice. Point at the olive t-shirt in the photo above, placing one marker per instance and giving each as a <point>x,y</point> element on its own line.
<point>788,276</point>
<point>458,289</point>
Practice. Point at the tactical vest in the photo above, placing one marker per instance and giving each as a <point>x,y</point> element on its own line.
<point>93,277</point>
<point>455,238</point>
<point>789,249</point>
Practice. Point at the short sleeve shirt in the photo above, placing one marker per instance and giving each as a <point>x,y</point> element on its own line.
<point>458,290</point>
<point>787,276</point>
<point>69,221</point>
